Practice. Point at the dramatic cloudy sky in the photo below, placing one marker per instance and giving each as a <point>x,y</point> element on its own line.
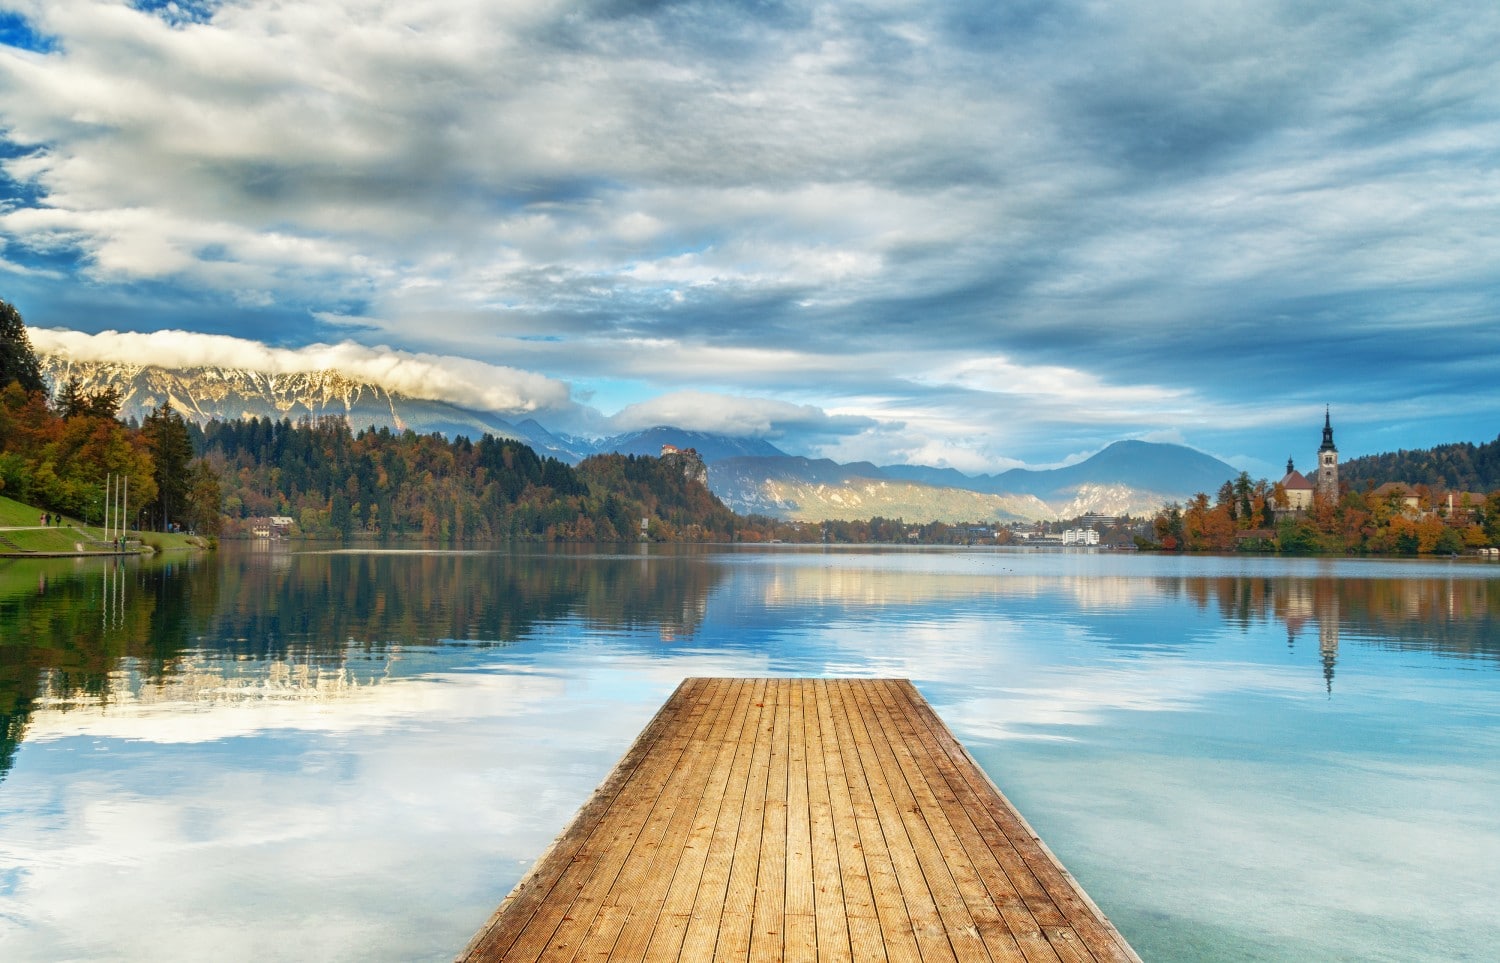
<point>955,233</point>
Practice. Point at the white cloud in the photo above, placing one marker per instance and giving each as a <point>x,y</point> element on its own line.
<point>916,436</point>
<point>1119,214</point>
<point>1057,384</point>
<point>727,414</point>
<point>1165,436</point>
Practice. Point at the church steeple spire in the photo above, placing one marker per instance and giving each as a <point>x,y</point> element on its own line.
<point>1328,462</point>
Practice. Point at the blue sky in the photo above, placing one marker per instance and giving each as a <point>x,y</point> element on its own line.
<point>976,235</point>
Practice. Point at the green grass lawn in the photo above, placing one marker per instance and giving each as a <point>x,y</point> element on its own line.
<point>13,512</point>
<point>74,536</point>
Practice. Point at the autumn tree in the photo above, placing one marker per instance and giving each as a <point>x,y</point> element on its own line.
<point>203,511</point>
<point>66,465</point>
<point>1168,527</point>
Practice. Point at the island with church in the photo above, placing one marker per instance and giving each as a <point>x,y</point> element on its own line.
<point>1329,515</point>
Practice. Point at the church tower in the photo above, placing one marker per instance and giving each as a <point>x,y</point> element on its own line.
<point>1328,463</point>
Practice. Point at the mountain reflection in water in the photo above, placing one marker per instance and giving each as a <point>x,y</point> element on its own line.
<point>304,625</point>
<point>247,624</point>
<point>369,747</point>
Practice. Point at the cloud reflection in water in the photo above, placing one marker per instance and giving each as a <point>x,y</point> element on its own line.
<point>346,756</point>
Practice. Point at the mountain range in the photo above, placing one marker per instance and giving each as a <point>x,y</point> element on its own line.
<point>749,475</point>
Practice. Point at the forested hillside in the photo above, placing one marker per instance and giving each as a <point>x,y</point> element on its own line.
<point>65,457</point>
<point>380,483</point>
<point>1459,467</point>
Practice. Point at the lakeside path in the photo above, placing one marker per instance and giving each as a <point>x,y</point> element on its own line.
<point>69,531</point>
<point>798,819</point>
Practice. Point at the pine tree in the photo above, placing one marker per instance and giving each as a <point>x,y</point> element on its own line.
<point>104,402</point>
<point>17,360</point>
<point>172,449</point>
<point>70,401</point>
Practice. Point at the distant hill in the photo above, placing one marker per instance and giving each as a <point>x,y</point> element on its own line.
<point>751,475</point>
<point>1462,466</point>
<point>711,447</point>
<point>804,489</point>
<point>859,499</point>
<point>1150,466</point>
<point>1145,465</point>
<point>1128,477</point>
<point>562,447</point>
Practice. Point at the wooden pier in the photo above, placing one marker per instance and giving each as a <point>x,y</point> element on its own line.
<point>797,819</point>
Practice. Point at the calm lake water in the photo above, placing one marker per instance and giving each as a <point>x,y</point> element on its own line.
<point>286,755</point>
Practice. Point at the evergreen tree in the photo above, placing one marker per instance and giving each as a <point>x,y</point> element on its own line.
<point>172,449</point>
<point>105,403</point>
<point>17,361</point>
<point>1243,489</point>
<point>70,401</point>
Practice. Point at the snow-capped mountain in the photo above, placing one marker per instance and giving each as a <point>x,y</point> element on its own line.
<point>204,393</point>
<point>748,474</point>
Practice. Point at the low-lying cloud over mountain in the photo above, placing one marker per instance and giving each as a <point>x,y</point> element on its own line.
<point>484,391</point>
<point>459,381</point>
<point>748,472</point>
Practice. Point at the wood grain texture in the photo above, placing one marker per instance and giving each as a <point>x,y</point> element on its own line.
<point>797,819</point>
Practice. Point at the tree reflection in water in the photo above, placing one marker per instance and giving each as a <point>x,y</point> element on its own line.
<point>89,632</point>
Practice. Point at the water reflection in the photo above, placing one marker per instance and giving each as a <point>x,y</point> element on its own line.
<point>299,625</point>
<point>408,730</point>
<point>1453,614</point>
<point>259,624</point>
<point>1447,616</point>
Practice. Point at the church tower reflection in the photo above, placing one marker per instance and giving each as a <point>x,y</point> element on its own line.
<point>1313,600</point>
<point>1328,636</point>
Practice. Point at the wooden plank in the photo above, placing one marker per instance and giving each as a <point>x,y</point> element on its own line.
<point>767,931</point>
<point>689,877</point>
<point>829,910</point>
<point>1004,872</point>
<point>712,897</point>
<point>565,862</point>
<point>562,923</point>
<point>906,886</point>
<point>1062,894</point>
<point>853,880</point>
<point>799,935</point>
<point>645,882</point>
<point>893,923</point>
<point>942,860</point>
<point>732,940</point>
<point>1009,934</point>
<point>795,819</point>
